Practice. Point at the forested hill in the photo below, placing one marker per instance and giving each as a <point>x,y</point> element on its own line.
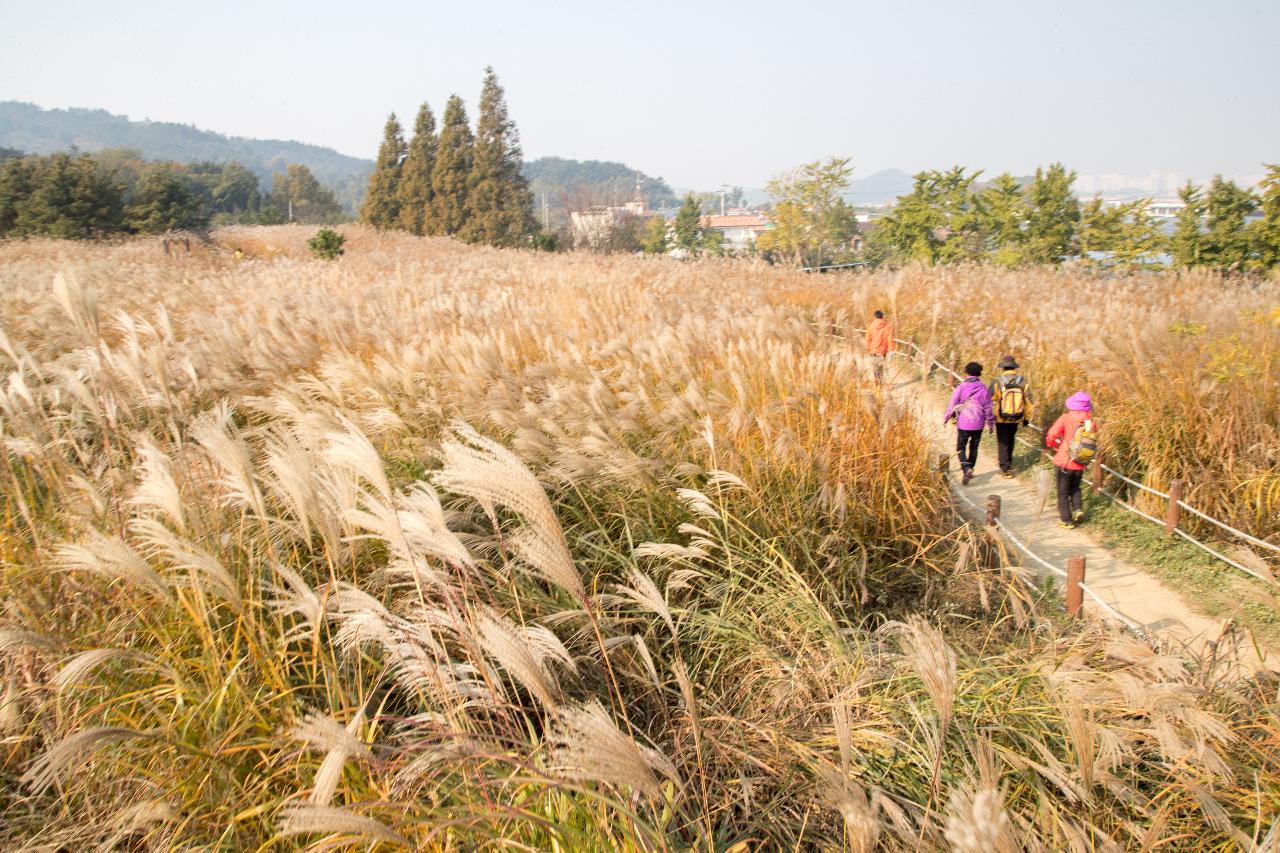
<point>565,184</point>
<point>29,128</point>
<point>579,184</point>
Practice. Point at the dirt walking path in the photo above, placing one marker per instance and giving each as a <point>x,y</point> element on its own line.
<point>1030,512</point>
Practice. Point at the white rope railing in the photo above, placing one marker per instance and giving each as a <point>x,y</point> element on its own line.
<point>1253,540</point>
<point>1008,533</point>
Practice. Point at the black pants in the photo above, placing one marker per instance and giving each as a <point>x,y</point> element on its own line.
<point>1069,498</point>
<point>1005,436</point>
<point>967,447</point>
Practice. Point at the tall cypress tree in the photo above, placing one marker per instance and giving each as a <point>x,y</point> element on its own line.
<point>451,174</point>
<point>415,176</point>
<point>1186,245</point>
<point>381,207</point>
<point>499,204</point>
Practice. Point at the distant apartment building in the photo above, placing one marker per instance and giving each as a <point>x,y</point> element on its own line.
<point>739,228</point>
<point>1165,208</point>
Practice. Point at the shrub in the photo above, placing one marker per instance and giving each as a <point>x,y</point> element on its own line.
<point>327,244</point>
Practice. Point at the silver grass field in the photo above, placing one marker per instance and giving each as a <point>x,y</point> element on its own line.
<point>451,548</point>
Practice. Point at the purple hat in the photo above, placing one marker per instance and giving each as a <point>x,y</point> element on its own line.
<point>1080,402</point>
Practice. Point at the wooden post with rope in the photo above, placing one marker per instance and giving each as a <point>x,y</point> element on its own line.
<point>1075,577</point>
<point>1174,514</point>
<point>1095,476</point>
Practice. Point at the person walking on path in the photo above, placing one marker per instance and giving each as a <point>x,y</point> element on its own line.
<point>971,409</point>
<point>1011,405</point>
<point>880,343</point>
<point>1074,435</point>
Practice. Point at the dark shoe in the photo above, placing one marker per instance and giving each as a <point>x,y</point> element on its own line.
<point>968,475</point>
<point>1007,474</point>
<point>1077,516</point>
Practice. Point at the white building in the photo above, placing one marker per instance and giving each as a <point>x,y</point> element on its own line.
<point>739,229</point>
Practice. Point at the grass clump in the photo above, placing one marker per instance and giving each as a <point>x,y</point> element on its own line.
<point>450,547</point>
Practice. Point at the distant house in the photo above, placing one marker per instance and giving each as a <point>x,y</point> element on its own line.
<point>739,229</point>
<point>1165,208</point>
<point>597,228</point>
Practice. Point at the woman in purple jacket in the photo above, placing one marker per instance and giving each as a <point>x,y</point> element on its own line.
<point>971,408</point>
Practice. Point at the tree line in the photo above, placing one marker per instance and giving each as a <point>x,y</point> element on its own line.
<point>114,192</point>
<point>454,182</point>
<point>949,218</point>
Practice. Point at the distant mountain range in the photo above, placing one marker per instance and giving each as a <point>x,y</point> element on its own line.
<point>29,128</point>
<point>562,183</point>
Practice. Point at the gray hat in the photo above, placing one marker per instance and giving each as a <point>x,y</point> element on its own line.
<point>1008,363</point>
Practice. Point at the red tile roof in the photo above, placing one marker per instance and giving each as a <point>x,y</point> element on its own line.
<point>739,221</point>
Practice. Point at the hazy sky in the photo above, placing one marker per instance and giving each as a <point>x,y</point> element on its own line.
<point>699,93</point>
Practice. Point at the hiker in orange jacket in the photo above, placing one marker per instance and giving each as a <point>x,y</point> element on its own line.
<point>879,342</point>
<point>1060,438</point>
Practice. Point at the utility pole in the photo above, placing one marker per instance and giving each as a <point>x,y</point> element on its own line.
<point>545,224</point>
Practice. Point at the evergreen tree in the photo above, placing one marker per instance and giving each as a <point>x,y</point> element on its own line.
<point>963,217</point>
<point>1266,233</point>
<point>415,176</point>
<point>18,179</point>
<point>1123,236</point>
<point>688,226</point>
<point>1052,216</point>
<point>1187,243</point>
<point>914,230</point>
<point>1002,208</point>
<point>71,197</point>
<point>499,205</point>
<point>451,174</point>
<point>165,199</point>
<point>1226,241</point>
<point>381,207</point>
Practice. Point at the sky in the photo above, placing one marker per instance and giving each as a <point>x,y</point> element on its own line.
<point>701,94</point>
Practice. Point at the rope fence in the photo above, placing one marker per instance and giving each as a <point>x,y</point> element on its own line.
<point>1008,533</point>
<point>1170,524</point>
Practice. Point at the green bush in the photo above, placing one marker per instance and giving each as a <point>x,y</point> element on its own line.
<point>327,244</point>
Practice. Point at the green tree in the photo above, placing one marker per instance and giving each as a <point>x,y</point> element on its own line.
<point>499,206</point>
<point>1266,233</point>
<point>920,224</point>
<point>1052,214</point>
<point>381,207</point>
<point>451,174</point>
<point>1003,210</point>
<point>1187,243</point>
<point>297,195</point>
<point>964,219</point>
<point>71,197</point>
<point>166,199</point>
<point>236,191</point>
<point>687,228</point>
<point>19,177</point>
<point>415,175</point>
<point>655,240</point>
<point>327,244</point>
<point>1121,236</point>
<point>812,222</point>
<point>1226,240</point>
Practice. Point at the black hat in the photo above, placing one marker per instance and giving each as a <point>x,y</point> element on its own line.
<point>973,368</point>
<point>1008,363</point>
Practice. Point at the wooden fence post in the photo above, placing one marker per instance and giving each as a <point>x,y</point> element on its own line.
<point>993,509</point>
<point>1175,512</point>
<point>1075,577</point>
<point>944,465</point>
<point>1097,473</point>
